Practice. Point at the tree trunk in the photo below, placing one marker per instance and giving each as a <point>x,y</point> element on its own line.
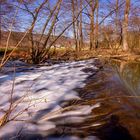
<point>96,28</point>
<point>74,24</point>
<point>92,9</point>
<point>81,27</point>
<point>125,26</point>
<point>77,25</point>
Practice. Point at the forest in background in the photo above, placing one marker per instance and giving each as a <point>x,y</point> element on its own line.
<point>80,26</point>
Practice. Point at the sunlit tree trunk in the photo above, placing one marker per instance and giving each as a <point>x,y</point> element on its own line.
<point>81,27</point>
<point>77,25</point>
<point>117,39</point>
<point>96,28</point>
<point>92,10</point>
<point>74,24</point>
<point>125,26</point>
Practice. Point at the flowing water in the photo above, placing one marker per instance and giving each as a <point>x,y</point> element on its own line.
<point>100,101</point>
<point>130,75</point>
<point>116,87</point>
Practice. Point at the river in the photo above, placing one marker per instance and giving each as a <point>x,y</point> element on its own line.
<point>100,101</point>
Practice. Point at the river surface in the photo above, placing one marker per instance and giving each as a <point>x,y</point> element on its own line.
<point>104,102</point>
<point>129,73</point>
<point>116,87</point>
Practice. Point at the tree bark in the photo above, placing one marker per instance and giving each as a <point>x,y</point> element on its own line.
<point>125,26</point>
<point>92,10</point>
<point>74,24</point>
<point>81,26</point>
<point>96,28</point>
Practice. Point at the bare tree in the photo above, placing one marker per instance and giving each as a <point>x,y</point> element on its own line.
<point>74,5</point>
<point>81,27</point>
<point>125,26</point>
<point>39,49</point>
<point>92,11</point>
<point>97,28</point>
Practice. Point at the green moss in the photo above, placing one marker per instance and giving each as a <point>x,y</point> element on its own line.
<point>3,49</point>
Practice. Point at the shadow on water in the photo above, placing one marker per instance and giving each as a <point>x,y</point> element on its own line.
<point>113,130</point>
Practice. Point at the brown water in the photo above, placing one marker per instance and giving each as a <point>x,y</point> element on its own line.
<point>129,73</point>
<point>117,88</point>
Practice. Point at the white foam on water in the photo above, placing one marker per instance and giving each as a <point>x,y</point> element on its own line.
<point>41,89</point>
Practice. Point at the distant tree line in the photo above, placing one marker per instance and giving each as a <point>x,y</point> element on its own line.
<point>91,23</point>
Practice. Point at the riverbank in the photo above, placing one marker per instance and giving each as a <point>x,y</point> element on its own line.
<point>71,55</point>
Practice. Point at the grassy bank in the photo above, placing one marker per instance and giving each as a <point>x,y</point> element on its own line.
<point>71,54</point>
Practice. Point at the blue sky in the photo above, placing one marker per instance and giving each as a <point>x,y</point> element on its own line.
<point>25,18</point>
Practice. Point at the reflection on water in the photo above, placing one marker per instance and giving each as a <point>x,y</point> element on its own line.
<point>129,73</point>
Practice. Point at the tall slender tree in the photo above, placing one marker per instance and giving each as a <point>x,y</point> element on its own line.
<point>96,27</point>
<point>125,25</point>
<point>81,27</point>
<point>92,11</point>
